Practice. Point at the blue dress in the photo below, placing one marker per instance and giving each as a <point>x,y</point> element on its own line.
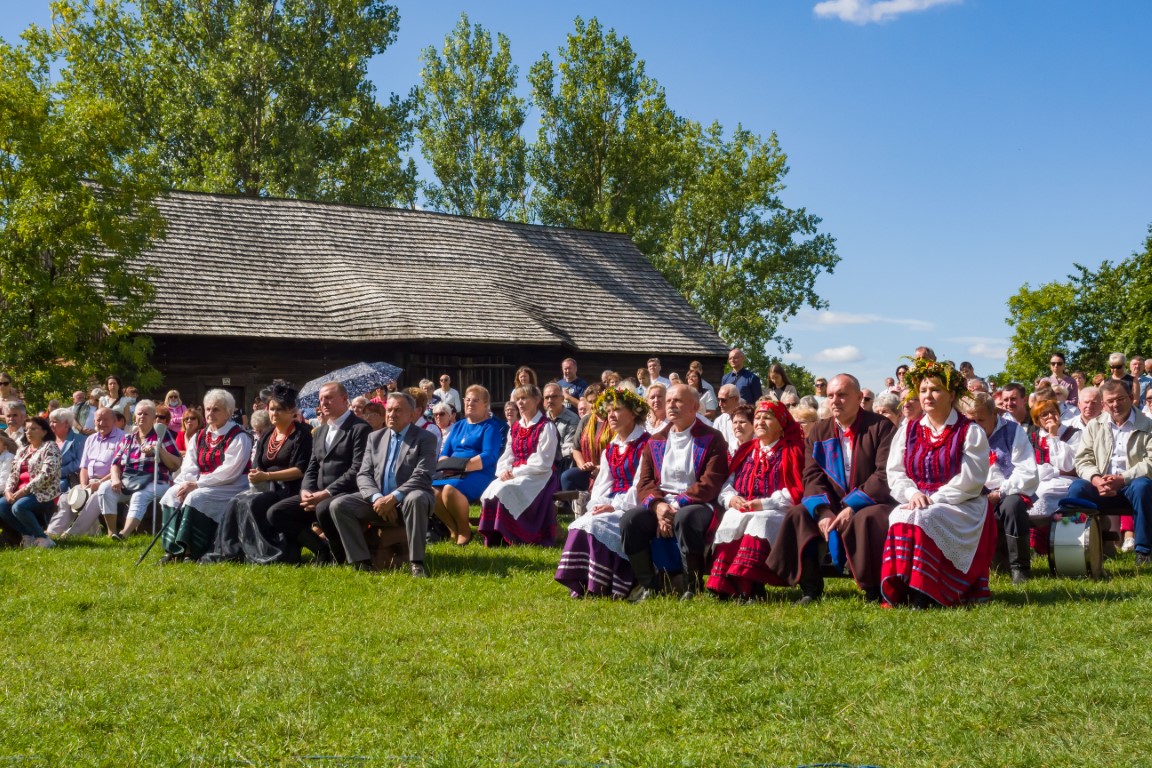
<point>466,440</point>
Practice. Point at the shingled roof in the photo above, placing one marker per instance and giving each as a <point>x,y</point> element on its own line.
<point>304,270</point>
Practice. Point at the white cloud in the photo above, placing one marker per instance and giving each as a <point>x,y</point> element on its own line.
<point>988,347</point>
<point>845,354</point>
<point>827,318</point>
<point>792,357</point>
<point>873,11</point>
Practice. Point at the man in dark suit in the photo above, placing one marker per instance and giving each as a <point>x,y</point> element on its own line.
<point>337,452</point>
<point>395,479</point>
<point>845,496</point>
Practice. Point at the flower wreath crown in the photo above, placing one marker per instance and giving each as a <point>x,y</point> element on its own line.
<point>946,373</point>
<point>621,396</point>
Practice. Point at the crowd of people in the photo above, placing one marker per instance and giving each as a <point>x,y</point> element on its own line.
<point>916,491</point>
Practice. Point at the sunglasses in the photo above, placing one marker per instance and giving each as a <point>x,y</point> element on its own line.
<point>1114,367</point>
<point>867,399</point>
<point>5,383</point>
<point>1055,362</point>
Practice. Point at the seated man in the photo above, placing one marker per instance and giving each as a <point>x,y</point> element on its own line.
<point>1089,405</point>
<point>566,421</point>
<point>1114,465</point>
<point>729,399</point>
<point>337,453</point>
<point>683,468</point>
<point>95,468</point>
<point>845,492</point>
<point>1012,482</point>
<point>396,476</point>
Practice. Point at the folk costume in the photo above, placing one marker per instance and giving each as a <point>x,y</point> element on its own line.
<point>218,462</point>
<point>1055,466</point>
<point>944,550</point>
<point>843,468</point>
<point>244,534</point>
<point>593,561</point>
<point>1012,472</point>
<point>769,477</point>
<point>687,470</point>
<point>521,510</point>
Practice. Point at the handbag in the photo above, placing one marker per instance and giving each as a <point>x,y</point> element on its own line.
<point>135,481</point>
<point>452,466</point>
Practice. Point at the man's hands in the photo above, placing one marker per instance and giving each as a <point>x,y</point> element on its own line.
<point>385,506</point>
<point>664,515</point>
<point>309,499</point>
<point>838,522</point>
<point>1108,485</point>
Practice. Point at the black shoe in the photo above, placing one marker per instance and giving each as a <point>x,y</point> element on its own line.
<point>169,559</point>
<point>419,571</point>
<point>806,600</point>
<point>1143,558</point>
<point>1020,576</point>
<point>872,595</point>
<point>362,565</point>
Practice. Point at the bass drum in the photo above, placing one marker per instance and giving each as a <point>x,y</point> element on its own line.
<point>1076,547</point>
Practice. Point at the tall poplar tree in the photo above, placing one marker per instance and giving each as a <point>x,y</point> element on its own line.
<point>468,121</point>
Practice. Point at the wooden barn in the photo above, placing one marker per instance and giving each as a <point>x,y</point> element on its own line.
<point>254,289</point>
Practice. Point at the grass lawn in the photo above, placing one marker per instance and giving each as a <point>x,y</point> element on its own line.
<point>490,663</point>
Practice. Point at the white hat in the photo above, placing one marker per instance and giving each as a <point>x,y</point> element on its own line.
<point>78,496</point>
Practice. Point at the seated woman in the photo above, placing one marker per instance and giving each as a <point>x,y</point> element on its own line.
<point>517,507</point>
<point>942,536</point>
<point>282,456</point>
<point>134,476</point>
<point>742,426</point>
<point>33,485</point>
<point>765,481</point>
<point>592,436</point>
<point>190,423</point>
<point>214,471</point>
<point>1055,446</point>
<point>593,561</point>
<point>476,438</point>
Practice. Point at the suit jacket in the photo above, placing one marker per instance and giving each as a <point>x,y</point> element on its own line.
<point>414,465</point>
<point>335,470</point>
<point>824,480</point>
<point>710,450</point>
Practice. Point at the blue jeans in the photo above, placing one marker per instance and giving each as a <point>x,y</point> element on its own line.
<point>1136,495</point>
<point>22,516</point>
<point>575,479</point>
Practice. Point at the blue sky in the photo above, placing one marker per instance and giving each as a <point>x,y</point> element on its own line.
<point>955,149</point>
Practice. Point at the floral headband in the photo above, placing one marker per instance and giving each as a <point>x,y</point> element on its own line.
<point>617,397</point>
<point>945,373</point>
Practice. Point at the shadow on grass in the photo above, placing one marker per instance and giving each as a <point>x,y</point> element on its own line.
<point>473,561</point>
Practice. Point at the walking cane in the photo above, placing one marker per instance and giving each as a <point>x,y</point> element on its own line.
<point>160,431</point>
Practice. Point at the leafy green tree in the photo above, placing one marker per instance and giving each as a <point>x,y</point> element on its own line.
<point>468,121</point>
<point>601,158</point>
<point>74,211</point>
<point>1089,315</point>
<point>256,97</point>
<point>743,259</point>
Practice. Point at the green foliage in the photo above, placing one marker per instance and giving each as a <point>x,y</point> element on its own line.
<point>468,120</point>
<point>742,258</point>
<point>74,211</point>
<point>705,208</point>
<point>1087,317</point>
<point>600,160</point>
<point>490,663</point>
<point>249,96</point>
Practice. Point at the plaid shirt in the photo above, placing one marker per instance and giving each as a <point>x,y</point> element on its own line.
<point>130,458</point>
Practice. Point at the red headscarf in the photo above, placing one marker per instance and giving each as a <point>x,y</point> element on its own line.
<point>790,446</point>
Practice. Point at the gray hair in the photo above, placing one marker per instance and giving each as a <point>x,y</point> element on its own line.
<point>442,408</point>
<point>407,398</point>
<point>887,401</point>
<point>221,397</point>
<point>982,401</point>
<point>426,382</point>
<point>17,404</point>
<point>146,403</point>
<point>1093,393</point>
<point>260,421</point>
<point>62,415</point>
<point>811,402</point>
<point>1116,358</point>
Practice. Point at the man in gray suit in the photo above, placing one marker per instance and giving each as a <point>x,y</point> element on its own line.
<point>396,477</point>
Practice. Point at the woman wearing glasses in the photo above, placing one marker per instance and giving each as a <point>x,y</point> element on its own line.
<point>1058,377</point>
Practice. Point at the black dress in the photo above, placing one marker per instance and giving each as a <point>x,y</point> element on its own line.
<point>244,535</point>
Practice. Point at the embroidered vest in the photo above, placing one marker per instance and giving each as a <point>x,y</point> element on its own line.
<point>623,465</point>
<point>759,475</point>
<point>525,441</point>
<point>209,456</point>
<point>930,463</point>
<point>1000,444</point>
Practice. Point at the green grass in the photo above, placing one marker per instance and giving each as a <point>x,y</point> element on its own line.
<point>490,663</point>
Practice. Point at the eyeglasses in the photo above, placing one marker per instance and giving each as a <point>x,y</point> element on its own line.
<point>1055,362</point>
<point>1114,367</point>
<point>5,383</point>
<point>163,418</point>
<point>867,399</point>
